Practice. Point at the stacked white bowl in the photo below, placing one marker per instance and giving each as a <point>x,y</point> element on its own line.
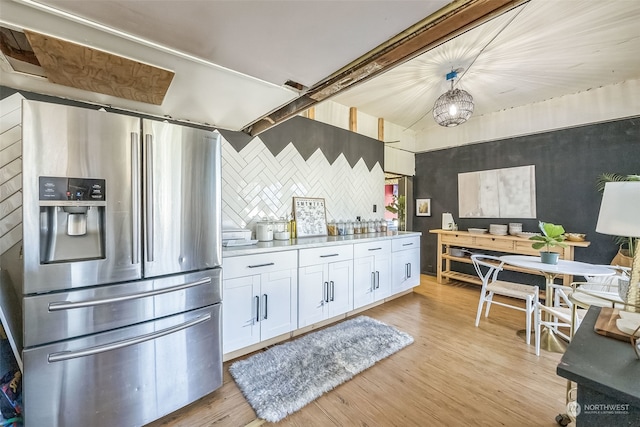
<point>498,229</point>
<point>515,228</point>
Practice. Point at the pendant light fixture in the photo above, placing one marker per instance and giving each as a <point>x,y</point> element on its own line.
<point>453,107</point>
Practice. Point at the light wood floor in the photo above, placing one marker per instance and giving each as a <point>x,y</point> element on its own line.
<point>453,374</point>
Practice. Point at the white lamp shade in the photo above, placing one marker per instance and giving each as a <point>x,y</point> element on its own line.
<point>620,209</point>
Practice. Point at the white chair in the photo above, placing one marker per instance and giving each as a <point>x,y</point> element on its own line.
<point>488,267</point>
<point>559,315</point>
<point>608,283</point>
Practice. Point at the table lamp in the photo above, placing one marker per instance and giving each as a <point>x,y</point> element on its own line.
<point>620,216</point>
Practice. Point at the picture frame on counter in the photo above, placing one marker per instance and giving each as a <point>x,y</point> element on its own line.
<point>310,215</point>
<point>423,207</point>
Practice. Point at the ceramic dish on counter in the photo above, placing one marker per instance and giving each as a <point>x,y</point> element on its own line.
<point>575,237</point>
<point>498,229</point>
<point>526,235</point>
<point>477,230</point>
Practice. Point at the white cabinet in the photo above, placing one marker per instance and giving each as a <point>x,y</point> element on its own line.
<point>325,283</point>
<point>406,263</point>
<point>259,298</point>
<point>371,272</point>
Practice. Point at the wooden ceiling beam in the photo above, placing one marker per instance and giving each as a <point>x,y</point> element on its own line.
<point>455,18</point>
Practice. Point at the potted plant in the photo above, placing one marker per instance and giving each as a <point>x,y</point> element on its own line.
<point>398,207</point>
<point>552,235</point>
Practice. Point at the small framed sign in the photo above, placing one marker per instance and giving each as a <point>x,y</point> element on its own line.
<point>311,216</point>
<point>423,207</point>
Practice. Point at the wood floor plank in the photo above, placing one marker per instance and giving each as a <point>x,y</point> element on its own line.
<point>453,374</point>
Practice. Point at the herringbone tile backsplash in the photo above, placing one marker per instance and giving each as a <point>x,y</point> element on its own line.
<point>257,184</point>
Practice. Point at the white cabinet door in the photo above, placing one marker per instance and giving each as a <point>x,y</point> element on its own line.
<point>260,298</point>
<point>371,272</point>
<point>278,303</point>
<point>364,281</point>
<point>383,276</point>
<point>312,294</point>
<point>406,263</point>
<point>326,290</point>
<point>340,287</point>
<point>240,309</point>
<point>406,270</point>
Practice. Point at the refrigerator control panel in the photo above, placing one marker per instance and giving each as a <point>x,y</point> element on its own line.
<point>72,189</point>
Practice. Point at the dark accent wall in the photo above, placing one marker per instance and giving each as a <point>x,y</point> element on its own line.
<point>309,135</point>
<point>567,165</point>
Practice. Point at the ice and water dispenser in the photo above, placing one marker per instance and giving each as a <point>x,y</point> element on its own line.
<point>72,219</point>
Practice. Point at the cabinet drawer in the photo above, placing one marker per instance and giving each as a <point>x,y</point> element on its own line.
<point>525,248</point>
<point>371,248</point>
<point>457,240</point>
<point>247,265</point>
<point>405,243</point>
<point>325,254</point>
<point>495,244</point>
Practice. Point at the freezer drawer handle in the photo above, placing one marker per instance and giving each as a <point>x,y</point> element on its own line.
<point>66,355</point>
<point>68,305</point>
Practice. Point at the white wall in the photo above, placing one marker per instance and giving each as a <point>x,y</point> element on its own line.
<point>593,106</point>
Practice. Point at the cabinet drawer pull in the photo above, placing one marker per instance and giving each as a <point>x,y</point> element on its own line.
<point>325,292</point>
<point>375,249</point>
<point>265,306</point>
<point>407,244</point>
<point>257,308</point>
<point>327,256</point>
<point>333,291</point>
<point>261,265</point>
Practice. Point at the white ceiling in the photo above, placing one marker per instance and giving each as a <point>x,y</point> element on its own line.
<point>231,58</point>
<point>541,50</point>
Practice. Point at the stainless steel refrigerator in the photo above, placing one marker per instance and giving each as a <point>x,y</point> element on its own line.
<point>118,273</point>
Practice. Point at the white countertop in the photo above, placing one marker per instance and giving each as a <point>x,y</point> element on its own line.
<point>312,242</point>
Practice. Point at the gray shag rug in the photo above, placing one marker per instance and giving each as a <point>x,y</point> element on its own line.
<point>286,377</point>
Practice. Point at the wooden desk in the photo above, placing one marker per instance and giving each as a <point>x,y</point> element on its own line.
<point>489,242</point>
<point>608,376</point>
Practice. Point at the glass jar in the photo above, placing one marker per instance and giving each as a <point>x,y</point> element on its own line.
<point>356,227</point>
<point>371,226</point>
<point>383,226</point>
<point>332,228</point>
<point>349,228</point>
<point>264,230</point>
<point>281,229</point>
<point>341,228</point>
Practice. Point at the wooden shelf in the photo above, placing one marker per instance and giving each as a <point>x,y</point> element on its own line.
<point>491,243</point>
<point>462,277</point>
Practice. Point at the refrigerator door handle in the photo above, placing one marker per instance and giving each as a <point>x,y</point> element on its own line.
<point>149,196</point>
<point>68,305</point>
<point>135,198</point>
<point>90,351</point>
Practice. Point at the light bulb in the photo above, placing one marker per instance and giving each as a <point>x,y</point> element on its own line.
<point>453,109</point>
